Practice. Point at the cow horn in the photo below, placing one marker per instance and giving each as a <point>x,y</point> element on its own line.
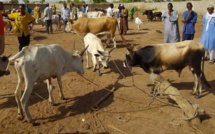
<point>82,52</point>
<point>111,50</point>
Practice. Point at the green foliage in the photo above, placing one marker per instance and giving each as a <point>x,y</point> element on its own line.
<point>26,1</point>
<point>69,1</point>
<point>99,1</point>
<point>14,1</point>
<point>42,1</point>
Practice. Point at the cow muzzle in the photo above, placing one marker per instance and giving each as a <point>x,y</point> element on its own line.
<point>106,67</point>
<point>7,72</point>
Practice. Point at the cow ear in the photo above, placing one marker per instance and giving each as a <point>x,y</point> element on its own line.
<point>97,55</point>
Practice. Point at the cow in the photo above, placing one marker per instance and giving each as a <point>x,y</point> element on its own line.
<point>152,15</point>
<point>91,14</point>
<point>96,25</point>
<point>38,63</point>
<point>171,56</point>
<point>3,65</point>
<point>138,22</point>
<point>97,51</point>
<point>55,20</point>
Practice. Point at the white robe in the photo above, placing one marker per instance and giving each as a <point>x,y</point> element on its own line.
<point>171,27</point>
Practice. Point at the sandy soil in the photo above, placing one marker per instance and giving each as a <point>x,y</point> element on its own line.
<point>125,111</point>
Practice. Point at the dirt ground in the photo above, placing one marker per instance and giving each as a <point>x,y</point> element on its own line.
<point>125,111</point>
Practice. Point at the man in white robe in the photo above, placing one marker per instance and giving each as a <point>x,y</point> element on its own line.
<point>170,20</point>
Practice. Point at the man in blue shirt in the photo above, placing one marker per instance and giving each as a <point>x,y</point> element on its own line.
<point>190,18</point>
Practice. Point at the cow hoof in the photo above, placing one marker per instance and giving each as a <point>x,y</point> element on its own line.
<point>63,98</point>
<point>99,74</point>
<point>20,117</point>
<point>197,96</point>
<point>35,123</point>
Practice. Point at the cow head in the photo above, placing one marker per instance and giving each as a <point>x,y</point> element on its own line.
<point>3,65</point>
<point>78,61</point>
<point>103,57</point>
<point>130,57</point>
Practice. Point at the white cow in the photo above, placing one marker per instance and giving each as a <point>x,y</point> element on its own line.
<point>38,63</point>
<point>55,20</point>
<point>91,14</point>
<point>97,51</point>
<point>138,22</point>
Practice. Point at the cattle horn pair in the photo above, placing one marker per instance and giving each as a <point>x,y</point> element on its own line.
<point>82,52</point>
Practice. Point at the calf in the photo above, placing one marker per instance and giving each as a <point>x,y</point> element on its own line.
<point>97,51</point>
<point>174,56</point>
<point>38,63</point>
<point>138,22</point>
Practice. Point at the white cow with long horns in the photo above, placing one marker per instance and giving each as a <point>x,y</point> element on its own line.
<point>38,63</point>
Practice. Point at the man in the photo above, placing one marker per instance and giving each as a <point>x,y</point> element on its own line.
<point>74,12</point>
<point>123,20</point>
<point>190,18</point>
<point>27,9</point>
<point>21,22</point>
<point>37,13</point>
<point>48,18</point>
<point>110,11</point>
<point>65,15</point>
<point>2,41</point>
<point>208,34</point>
<point>170,20</point>
<point>86,8</point>
<point>131,13</point>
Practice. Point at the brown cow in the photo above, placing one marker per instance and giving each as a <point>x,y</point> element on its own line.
<point>104,25</point>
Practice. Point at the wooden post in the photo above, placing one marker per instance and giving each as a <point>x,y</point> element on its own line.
<point>163,86</point>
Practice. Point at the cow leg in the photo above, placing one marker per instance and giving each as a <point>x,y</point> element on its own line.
<point>114,42</point>
<point>60,87</point>
<point>94,63</point>
<point>199,88</point>
<point>195,83</point>
<point>138,27</point>
<point>87,57</point>
<point>25,98</point>
<point>18,97</point>
<point>50,89</point>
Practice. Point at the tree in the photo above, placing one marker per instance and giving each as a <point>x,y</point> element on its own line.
<point>42,1</point>
<point>26,1</point>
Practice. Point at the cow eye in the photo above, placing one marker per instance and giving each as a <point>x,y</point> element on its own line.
<point>82,60</point>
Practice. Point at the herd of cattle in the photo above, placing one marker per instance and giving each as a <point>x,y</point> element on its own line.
<point>43,62</point>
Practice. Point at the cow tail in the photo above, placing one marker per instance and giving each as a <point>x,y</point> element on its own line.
<point>202,73</point>
<point>120,32</point>
<point>11,59</point>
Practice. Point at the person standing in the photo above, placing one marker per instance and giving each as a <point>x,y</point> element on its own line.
<point>86,8</point>
<point>190,18</point>
<point>27,9</point>
<point>21,22</point>
<point>74,12</point>
<point>65,15</point>
<point>131,13</point>
<point>208,33</point>
<point>110,10</point>
<point>37,12</point>
<point>119,11</point>
<point>2,40</point>
<point>48,18</point>
<point>123,20</point>
<point>171,28</point>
